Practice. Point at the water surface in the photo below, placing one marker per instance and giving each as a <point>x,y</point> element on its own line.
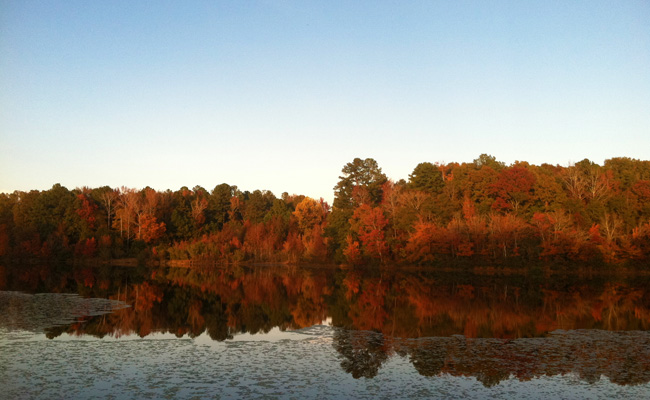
<point>278,332</point>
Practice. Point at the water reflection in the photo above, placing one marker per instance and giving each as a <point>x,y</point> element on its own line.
<point>620,356</point>
<point>363,352</point>
<point>45,311</point>
<point>490,328</point>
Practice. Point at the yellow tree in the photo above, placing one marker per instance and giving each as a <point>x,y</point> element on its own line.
<point>308,213</point>
<point>127,211</point>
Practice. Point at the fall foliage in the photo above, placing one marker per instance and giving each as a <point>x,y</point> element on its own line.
<point>527,326</point>
<point>483,211</point>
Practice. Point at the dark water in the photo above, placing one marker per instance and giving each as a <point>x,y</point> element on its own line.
<point>289,332</point>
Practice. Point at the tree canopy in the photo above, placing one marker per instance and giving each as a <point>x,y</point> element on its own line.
<point>480,211</point>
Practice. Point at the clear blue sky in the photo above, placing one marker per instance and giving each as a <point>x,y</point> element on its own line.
<point>279,95</point>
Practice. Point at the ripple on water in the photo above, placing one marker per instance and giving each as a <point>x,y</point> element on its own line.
<point>302,364</point>
<point>37,312</point>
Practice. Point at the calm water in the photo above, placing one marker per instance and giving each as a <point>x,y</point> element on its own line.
<point>279,332</point>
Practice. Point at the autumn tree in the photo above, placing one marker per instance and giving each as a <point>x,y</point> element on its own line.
<point>128,208</point>
<point>361,179</point>
<point>108,197</point>
<point>641,199</point>
<point>483,210</point>
<point>476,183</point>
<point>505,233</point>
<point>626,171</point>
<point>426,243</point>
<point>308,213</point>
<point>548,193</point>
<point>87,209</point>
<point>149,229</point>
<point>513,189</point>
<point>369,224</point>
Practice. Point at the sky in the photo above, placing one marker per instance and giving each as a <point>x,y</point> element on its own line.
<point>280,95</point>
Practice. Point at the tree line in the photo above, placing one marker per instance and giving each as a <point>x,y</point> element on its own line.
<point>483,211</point>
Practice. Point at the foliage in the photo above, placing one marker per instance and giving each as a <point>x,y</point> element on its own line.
<point>479,211</point>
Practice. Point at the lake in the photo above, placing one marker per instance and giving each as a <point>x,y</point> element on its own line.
<point>320,332</point>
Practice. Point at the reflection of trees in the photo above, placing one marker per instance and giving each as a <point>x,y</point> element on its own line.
<point>395,303</point>
<point>486,359</point>
<point>363,352</point>
<point>624,358</point>
<point>513,316</point>
<point>632,364</point>
<point>428,357</point>
<point>216,322</point>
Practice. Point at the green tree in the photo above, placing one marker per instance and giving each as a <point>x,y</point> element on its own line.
<point>628,170</point>
<point>257,204</point>
<point>426,177</point>
<point>485,160</point>
<point>219,205</point>
<point>182,223</point>
<point>359,175</point>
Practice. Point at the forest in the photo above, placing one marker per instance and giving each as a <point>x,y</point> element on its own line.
<point>479,213</point>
